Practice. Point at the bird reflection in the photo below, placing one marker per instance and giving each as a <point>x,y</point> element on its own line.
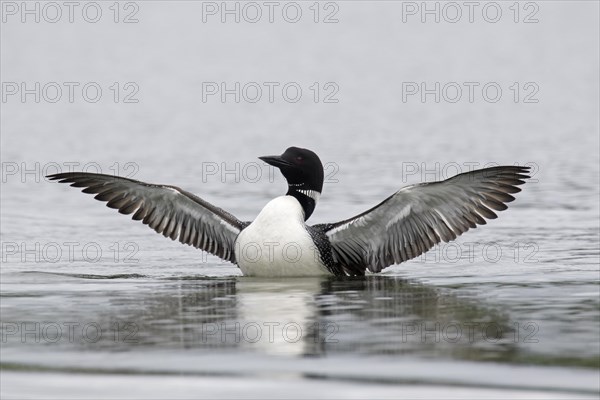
<point>315,316</point>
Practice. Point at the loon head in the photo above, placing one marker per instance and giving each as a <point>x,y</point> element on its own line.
<point>303,171</point>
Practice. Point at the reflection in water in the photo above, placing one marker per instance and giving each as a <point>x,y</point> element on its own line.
<point>305,317</point>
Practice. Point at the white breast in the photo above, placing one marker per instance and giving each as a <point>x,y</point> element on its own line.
<point>277,243</point>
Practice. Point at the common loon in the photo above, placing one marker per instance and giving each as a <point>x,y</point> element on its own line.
<point>280,243</point>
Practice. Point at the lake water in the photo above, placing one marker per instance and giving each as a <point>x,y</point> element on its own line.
<point>94,305</point>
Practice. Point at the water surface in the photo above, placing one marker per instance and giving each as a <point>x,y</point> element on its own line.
<point>94,305</point>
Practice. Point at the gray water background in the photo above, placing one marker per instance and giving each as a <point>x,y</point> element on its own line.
<point>533,308</point>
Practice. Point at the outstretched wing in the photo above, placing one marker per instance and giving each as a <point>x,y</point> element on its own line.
<point>415,218</point>
<point>167,209</point>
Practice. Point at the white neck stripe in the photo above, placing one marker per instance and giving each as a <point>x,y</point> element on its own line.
<point>313,194</point>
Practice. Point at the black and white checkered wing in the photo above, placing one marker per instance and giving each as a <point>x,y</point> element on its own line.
<point>417,217</point>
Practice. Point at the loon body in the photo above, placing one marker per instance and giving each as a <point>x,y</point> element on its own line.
<point>280,243</point>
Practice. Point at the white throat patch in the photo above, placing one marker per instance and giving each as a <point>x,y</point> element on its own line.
<point>313,194</point>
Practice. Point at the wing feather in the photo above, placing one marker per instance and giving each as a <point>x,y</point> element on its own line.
<point>168,210</point>
<point>417,217</point>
